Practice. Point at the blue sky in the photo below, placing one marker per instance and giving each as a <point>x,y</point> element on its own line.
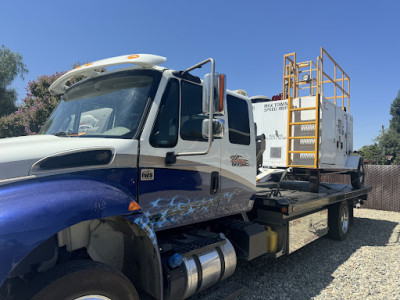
<point>246,38</point>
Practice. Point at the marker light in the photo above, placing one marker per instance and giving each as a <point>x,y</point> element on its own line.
<point>221,92</point>
<point>133,56</point>
<point>133,206</point>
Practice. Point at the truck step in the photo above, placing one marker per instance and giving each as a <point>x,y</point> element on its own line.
<point>193,242</point>
<point>200,246</point>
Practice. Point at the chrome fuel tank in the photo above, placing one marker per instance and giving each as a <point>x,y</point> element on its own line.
<point>205,269</point>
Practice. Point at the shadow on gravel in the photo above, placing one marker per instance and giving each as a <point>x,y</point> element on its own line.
<point>302,274</point>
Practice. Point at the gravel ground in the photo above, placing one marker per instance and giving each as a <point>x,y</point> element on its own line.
<point>364,266</point>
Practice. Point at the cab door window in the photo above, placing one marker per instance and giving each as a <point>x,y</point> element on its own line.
<point>238,121</point>
<point>191,111</point>
<point>165,130</point>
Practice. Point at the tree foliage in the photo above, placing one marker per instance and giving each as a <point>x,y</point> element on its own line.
<point>36,107</point>
<point>372,153</point>
<point>395,113</point>
<point>389,143</point>
<point>34,111</point>
<point>11,66</point>
<point>386,149</point>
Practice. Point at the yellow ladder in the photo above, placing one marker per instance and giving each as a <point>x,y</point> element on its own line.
<point>292,85</point>
<point>291,134</point>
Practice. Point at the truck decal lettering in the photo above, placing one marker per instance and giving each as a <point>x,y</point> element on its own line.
<point>239,161</point>
<point>147,174</point>
<point>275,106</point>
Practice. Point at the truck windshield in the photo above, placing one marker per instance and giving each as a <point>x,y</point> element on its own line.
<point>109,106</point>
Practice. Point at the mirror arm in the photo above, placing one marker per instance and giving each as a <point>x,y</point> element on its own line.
<point>200,64</point>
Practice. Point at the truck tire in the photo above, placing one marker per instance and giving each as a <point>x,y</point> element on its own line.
<point>82,280</point>
<point>339,220</point>
<point>358,177</point>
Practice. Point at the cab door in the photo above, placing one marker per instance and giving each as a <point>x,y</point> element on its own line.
<point>238,157</point>
<point>176,190</point>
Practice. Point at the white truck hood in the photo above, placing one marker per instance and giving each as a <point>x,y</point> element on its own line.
<point>17,155</point>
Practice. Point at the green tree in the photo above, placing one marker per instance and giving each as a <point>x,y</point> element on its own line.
<point>36,107</point>
<point>11,66</point>
<point>395,113</point>
<point>386,149</point>
<point>389,140</point>
<point>34,111</point>
<point>371,153</point>
<point>389,143</point>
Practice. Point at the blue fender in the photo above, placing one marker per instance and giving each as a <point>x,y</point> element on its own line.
<point>32,212</point>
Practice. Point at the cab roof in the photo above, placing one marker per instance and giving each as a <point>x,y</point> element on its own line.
<point>88,70</point>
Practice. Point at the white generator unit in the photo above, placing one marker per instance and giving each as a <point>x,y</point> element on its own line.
<point>335,139</point>
<point>304,128</point>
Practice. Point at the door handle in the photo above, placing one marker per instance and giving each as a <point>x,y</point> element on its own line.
<point>214,186</point>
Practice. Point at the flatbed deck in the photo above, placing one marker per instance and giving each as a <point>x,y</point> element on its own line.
<point>294,197</point>
<point>298,215</point>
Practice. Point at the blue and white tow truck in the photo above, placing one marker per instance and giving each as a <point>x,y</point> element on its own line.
<point>142,183</point>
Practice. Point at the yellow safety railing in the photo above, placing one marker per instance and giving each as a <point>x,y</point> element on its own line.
<point>306,78</point>
<point>310,79</point>
<point>340,81</point>
<point>290,76</point>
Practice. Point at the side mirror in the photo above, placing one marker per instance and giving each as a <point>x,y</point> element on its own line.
<point>219,93</point>
<point>218,128</point>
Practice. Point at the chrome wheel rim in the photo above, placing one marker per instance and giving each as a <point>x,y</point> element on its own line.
<point>344,219</point>
<point>93,297</point>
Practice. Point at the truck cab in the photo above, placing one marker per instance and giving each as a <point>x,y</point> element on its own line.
<point>143,131</point>
<point>159,113</point>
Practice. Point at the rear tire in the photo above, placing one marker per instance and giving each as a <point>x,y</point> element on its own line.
<point>358,177</point>
<point>82,280</point>
<point>339,220</point>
